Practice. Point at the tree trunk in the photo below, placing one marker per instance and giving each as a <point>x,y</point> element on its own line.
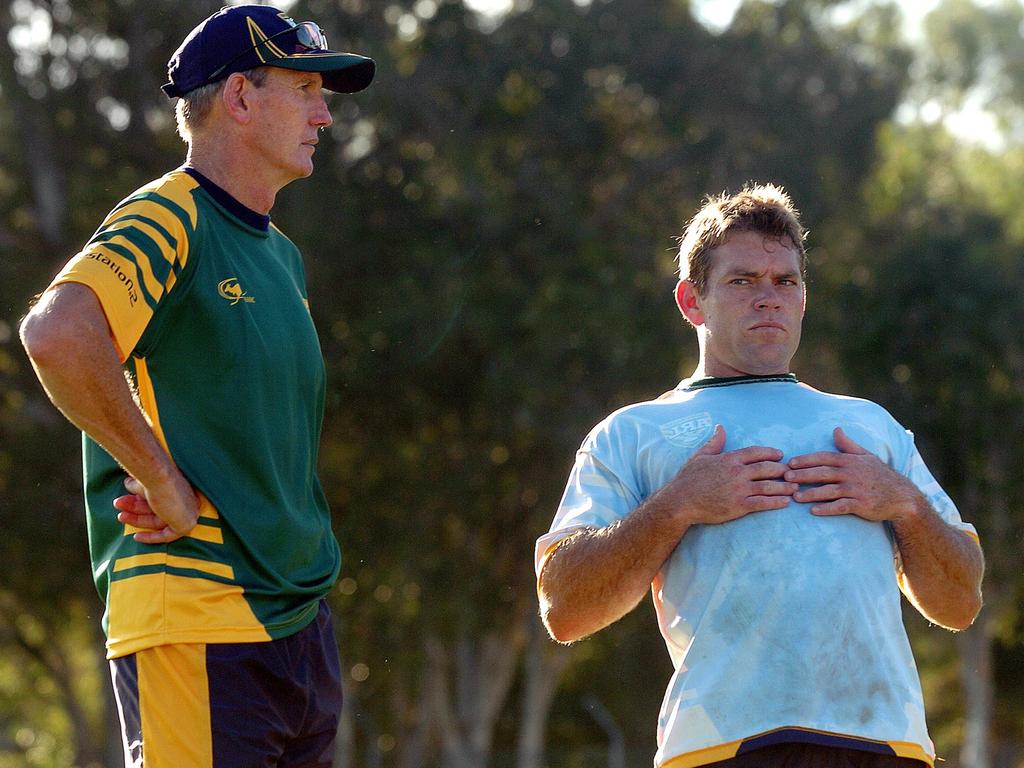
<point>616,741</point>
<point>544,663</point>
<point>34,126</point>
<point>344,745</point>
<point>483,676</point>
<point>416,740</point>
<point>975,646</point>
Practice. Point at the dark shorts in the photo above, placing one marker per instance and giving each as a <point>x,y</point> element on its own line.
<point>232,705</point>
<point>798,755</point>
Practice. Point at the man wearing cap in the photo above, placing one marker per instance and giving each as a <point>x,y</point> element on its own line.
<point>179,340</point>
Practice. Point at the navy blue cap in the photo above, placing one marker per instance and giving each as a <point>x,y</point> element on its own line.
<point>241,37</point>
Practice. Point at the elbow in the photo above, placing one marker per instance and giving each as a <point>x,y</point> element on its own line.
<point>560,630</point>
<point>43,342</point>
<point>561,624</point>
<point>970,613</point>
<point>567,607</point>
<point>67,320</point>
<point>956,624</point>
<point>970,606</point>
<point>962,616</point>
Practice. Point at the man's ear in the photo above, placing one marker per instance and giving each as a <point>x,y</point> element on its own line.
<point>235,97</point>
<point>688,302</point>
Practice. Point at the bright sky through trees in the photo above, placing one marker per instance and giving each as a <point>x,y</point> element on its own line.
<point>972,122</point>
<point>718,13</point>
<point>714,13</point>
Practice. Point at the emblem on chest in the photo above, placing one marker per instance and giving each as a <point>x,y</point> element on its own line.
<point>689,431</point>
<point>232,290</point>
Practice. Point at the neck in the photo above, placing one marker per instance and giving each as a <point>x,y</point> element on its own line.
<point>226,164</point>
<point>706,371</point>
<point>713,372</point>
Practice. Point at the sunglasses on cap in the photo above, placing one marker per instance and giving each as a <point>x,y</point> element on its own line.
<point>309,38</point>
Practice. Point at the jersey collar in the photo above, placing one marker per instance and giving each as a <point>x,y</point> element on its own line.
<point>241,212</point>
<point>707,382</point>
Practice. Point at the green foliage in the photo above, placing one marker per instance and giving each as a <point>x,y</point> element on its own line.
<point>948,280</point>
<point>489,239</point>
<point>972,46</point>
<point>505,252</point>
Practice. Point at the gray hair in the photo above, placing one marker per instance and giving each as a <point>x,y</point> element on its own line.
<point>193,108</point>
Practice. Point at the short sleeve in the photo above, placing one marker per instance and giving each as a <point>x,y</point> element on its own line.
<point>134,260</point>
<point>601,489</point>
<point>914,468</point>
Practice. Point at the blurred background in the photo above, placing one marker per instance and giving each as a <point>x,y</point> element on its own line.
<point>489,235</point>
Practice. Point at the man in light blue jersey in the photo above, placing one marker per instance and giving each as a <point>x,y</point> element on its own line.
<point>775,524</point>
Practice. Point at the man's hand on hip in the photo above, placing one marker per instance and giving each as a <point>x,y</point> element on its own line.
<point>165,511</point>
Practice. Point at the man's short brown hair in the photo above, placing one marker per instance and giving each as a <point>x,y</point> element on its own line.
<point>763,208</point>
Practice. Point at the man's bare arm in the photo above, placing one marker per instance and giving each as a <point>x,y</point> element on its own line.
<point>596,576</point>
<point>68,340</point>
<point>942,565</point>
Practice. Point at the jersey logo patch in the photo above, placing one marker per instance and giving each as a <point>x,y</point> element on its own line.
<point>689,432</point>
<point>231,290</point>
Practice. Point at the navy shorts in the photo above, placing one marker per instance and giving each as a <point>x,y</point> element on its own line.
<point>800,755</point>
<point>232,705</point>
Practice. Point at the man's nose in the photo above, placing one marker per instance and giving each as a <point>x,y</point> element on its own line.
<point>322,116</point>
<point>769,298</point>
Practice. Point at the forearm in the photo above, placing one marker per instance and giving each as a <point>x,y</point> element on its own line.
<point>596,576</point>
<point>942,567</point>
<point>68,341</point>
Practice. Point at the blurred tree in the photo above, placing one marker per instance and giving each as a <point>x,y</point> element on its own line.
<point>65,163</point>
<point>972,59</point>
<point>502,208</point>
<point>948,281</point>
<point>489,235</point>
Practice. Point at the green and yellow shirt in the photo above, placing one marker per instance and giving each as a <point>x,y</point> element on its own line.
<point>206,301</point>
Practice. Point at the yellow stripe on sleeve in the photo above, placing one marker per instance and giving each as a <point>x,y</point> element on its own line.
<point>144,270</point>
<point>127,291</point>
<point>177,187</point>
<point>116,283</point>
<point>160,215</point>
<point>166,250</point>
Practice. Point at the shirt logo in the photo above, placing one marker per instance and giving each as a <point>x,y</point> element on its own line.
<point>127,282</point>
<point>690,431</point>
<point>231,290</point>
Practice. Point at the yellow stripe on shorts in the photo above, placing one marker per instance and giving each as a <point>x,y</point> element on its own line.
<point>174,702</point>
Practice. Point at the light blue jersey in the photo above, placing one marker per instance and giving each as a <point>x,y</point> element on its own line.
<point>782,626</point>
